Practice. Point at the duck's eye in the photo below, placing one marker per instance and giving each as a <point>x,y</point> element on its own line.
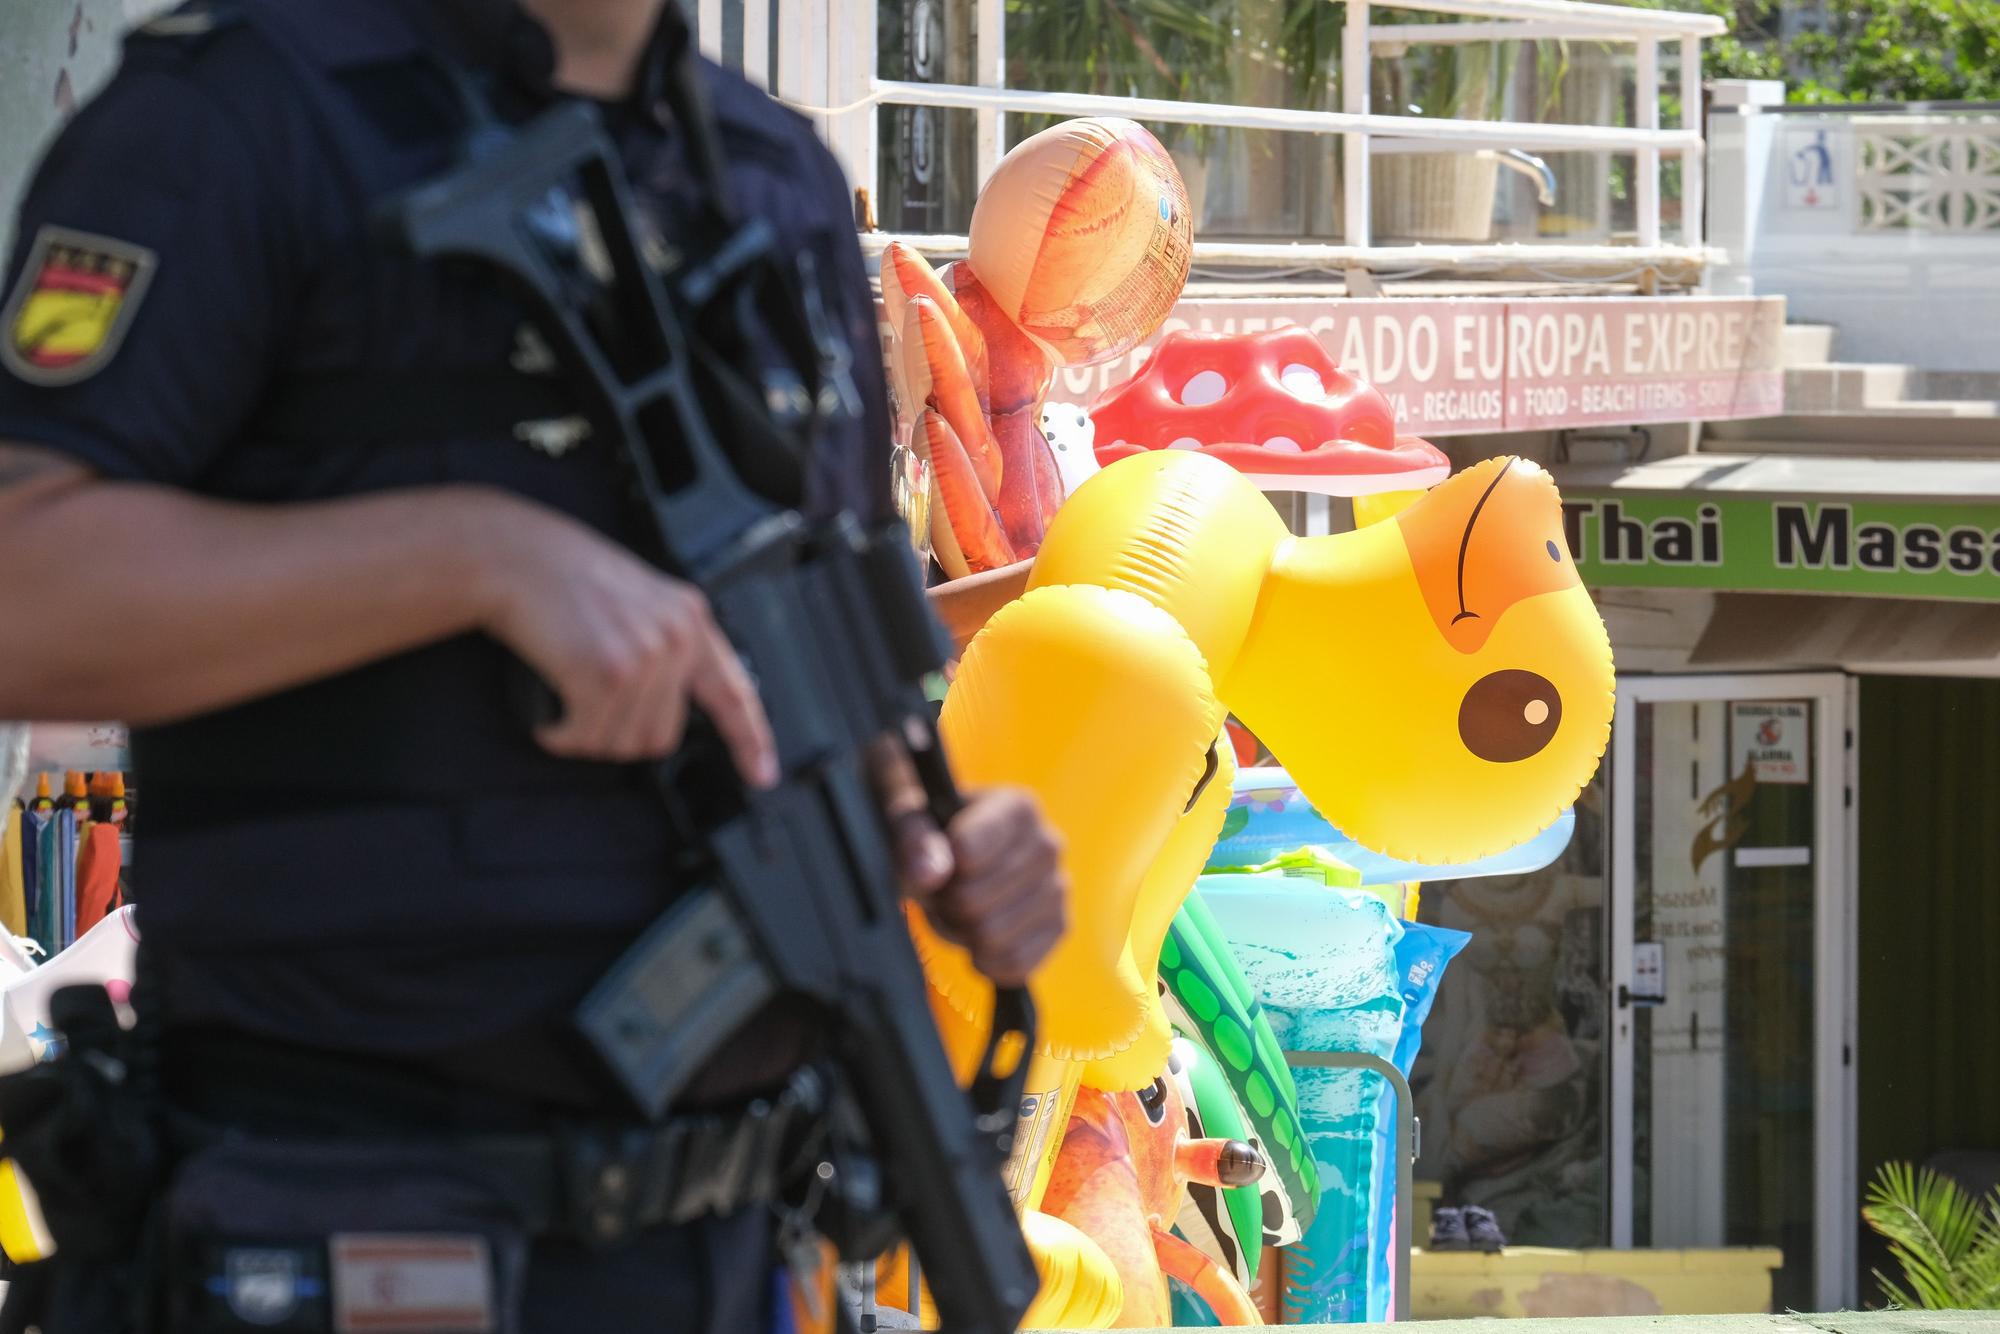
<point>1509,715</point>
<point>1555,553</point>
<point>1153,1101</point>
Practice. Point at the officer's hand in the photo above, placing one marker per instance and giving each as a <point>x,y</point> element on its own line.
<point>625,647</point>
<point>992,882</point>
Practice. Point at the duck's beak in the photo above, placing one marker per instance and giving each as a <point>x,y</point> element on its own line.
<point>1484,540</point>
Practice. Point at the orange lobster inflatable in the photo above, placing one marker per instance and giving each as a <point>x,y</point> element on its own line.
<point>1125,1165</point>
<point>1080,245</point>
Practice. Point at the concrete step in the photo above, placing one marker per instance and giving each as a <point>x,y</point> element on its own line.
<point>1806,345</point>
<point>1860,434</point>
<point>1817,385</point>
<point>1844,386</point>
<point>1966,386</point>
<point>1885,390</point>
<point>1934,407</point>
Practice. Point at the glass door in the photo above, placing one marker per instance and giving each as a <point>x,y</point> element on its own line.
<point>1731,1081</point>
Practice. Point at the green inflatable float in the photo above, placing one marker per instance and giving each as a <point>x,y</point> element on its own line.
<point>1236,1084</point>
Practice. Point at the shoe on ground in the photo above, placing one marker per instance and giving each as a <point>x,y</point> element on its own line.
<point>1448,1231</point>
<point>1482,1229</point>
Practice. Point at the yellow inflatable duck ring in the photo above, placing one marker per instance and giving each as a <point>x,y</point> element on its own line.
<point>1438,683</point>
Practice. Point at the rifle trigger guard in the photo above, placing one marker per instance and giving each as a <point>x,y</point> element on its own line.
<point>1003,1071</point>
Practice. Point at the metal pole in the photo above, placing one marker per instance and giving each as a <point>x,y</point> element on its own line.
<point>1406,1149</point>
<point>1506,30</point>
<point>866,1319</point>
<point>1694,164</point>
<point>1619,17</point>
<point>1354,62</point>
<point>1620,1093</point>
<point>1609,258</point>
<point>795,75</point>
<point>850,59</point>
<point>1492,133</point>
<point>989,42</point>
<point>708,28</point>
<point>1646,108</point>
<point>757,44</point>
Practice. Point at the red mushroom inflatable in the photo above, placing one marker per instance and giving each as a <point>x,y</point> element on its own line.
<point>1272,405</point>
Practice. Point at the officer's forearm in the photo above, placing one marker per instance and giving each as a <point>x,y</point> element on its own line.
<point>145,604</point>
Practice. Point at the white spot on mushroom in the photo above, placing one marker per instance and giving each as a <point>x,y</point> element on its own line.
<point>1185,442</point>
<point>1283,444</point>
<point>1536,713</point>
<point>1203,388</point>
<point>1302,381</point>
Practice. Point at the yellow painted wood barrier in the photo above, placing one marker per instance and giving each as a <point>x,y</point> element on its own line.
<point>1538,1281</point>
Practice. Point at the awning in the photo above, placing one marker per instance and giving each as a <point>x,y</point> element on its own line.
<point>1785,476</point>
<point>1859,634</point>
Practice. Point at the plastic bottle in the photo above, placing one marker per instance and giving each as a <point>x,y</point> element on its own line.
<point>76,796</point>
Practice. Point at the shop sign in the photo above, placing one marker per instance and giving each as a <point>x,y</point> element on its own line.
<point>1771,741</point>
<point>1480,365</point>
<point>1859,547</point>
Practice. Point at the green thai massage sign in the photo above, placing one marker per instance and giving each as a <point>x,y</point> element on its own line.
<point>1862,547</point>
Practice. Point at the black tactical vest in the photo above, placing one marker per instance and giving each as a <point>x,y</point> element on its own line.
<point>384,860</point>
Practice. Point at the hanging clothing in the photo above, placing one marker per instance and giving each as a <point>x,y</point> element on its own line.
<point>66,836</point>
<point>98,860</point>
<point>44,876</point>
<point>13,881</point>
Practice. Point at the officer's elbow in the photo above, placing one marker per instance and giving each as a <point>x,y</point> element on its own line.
<point>29,478</point>
<point>33,555</point>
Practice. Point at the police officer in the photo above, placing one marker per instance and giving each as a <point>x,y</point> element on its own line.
<point>294,504</point>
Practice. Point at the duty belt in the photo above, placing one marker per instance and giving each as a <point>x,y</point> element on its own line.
<point>597,1185</point>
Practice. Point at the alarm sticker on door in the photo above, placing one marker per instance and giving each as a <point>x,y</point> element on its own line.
<point>1771,740</point>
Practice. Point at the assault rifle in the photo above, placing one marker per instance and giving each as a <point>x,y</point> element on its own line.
<point>797,886</point>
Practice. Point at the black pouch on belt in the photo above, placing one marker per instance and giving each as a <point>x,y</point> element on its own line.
<point>319,1238</point>
<point>83,1126</point>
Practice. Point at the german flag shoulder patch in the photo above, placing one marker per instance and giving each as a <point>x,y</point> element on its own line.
<point>69,311</point>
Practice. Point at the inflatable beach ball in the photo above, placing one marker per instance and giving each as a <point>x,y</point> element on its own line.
<point>1083,237</point>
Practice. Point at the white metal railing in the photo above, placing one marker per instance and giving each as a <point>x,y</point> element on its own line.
<point>826,65</point>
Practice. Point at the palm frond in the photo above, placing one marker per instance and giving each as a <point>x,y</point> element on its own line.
<point>1947,1243</point>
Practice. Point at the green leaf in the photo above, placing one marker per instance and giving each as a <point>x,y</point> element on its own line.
<point>1947,1243</point>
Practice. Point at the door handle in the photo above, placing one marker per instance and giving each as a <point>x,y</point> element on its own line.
<point>1624,997</point>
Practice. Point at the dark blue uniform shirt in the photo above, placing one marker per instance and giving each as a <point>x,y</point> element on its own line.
<point>382,862</point>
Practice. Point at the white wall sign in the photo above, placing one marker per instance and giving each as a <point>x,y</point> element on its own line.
<point>1649,972</point>
<point>1811,180</point>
